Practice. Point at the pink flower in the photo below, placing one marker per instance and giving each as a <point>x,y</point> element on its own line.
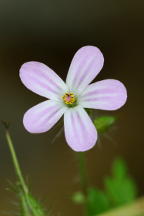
<point>72,97</point>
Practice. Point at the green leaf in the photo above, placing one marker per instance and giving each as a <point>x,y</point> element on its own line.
<point>97,201</point>
<point>103,123</point>
<point>120,188</point>
<point>119,169</point>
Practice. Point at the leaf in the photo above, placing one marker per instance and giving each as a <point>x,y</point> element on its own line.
<point>120,188</point>
<point>97,201</point>
<point>119,169</point>
<point>103,123</point>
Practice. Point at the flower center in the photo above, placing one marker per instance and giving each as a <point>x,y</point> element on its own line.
<point>69,98</point>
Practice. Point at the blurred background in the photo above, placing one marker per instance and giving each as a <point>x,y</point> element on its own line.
<point>51,32</point>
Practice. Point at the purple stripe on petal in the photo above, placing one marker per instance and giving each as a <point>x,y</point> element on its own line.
<point>43,116</point>
<point>95,99</point>
<point>49,109</point>
<point>43,85</point>
<point>50,81</point>
<point>50,117</point>
<point>86,70</point>
<point>80,132</point>
<point>43,73</point>
<point>77,70</point>
<point>108,95</point>
<point>97,92</point>
<point>74,123</point>
<point>46,115</point>
<point>84,131</point>
<point>92,60</point>
<point>42,80</point>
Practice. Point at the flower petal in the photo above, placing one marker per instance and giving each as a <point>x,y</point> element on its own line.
<point>86,64</point>
<point>80,132</point>
<point>40,79</point>
<point>107,94</point>
<point>43,116</point>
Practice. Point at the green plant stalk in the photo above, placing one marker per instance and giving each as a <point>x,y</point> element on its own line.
<point>24,208</point>
<point>16,164</point>
<point>82,171</point>
<point>28,208</point>
<point>83,176</point>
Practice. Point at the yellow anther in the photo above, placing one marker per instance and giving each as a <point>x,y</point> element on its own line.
<point>69,98</point>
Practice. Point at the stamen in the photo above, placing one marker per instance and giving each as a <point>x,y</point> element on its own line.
<point>69,98</point>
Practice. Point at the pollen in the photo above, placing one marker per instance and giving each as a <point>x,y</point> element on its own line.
<point>69,98</point>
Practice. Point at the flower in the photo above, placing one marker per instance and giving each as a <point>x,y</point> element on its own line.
<point>72,97</point>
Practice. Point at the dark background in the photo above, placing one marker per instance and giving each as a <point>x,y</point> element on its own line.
<point>51,32</point>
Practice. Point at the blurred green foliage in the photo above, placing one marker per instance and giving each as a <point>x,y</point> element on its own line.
<point>97,201</point>
<point>78,197</point>
<point>103,123</point>
<point>119,189</point>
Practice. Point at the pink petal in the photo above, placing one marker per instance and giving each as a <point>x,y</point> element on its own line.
<point>105,95</point>
<point>86,64</point>
<point>43,116</point>
<point>80,132</point>
<point>40,79</point>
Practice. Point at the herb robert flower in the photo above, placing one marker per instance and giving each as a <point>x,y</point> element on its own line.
<point>72,97</point>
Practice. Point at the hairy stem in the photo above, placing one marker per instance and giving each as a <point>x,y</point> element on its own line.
<point>16,163</point>
<point>28,205</point>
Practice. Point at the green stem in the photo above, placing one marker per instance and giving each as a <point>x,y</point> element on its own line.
<point>28,207</point>
<point>15,163</point>
<point>24,207</point>
<point>81,159</point>
<point>82,171</point>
